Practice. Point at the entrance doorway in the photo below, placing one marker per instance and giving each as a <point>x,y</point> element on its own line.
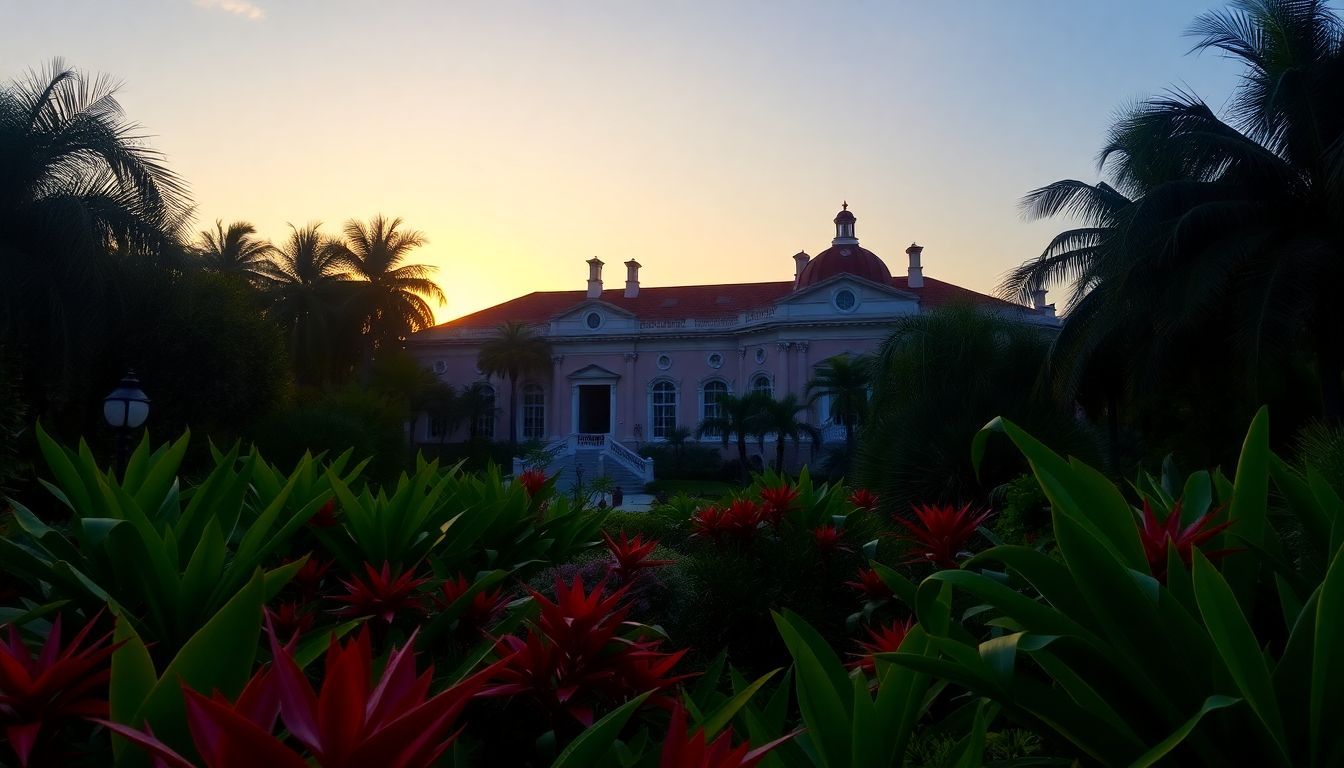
<point>594,409</point>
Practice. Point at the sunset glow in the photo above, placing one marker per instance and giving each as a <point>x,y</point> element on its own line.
<point>710,141</point>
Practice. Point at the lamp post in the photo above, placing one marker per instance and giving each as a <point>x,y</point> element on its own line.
<point>125,409</point>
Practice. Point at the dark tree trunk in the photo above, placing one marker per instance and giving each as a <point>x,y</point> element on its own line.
<point>513,413</point>
<point>779,454</point>
<point>742,456</point>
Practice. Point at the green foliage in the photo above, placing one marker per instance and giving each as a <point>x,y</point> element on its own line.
<point>938,379</point>
<point>1186,667</point>
<point>849,724</point>
<point>345,420</point>
<point>685,462</point>
<point>1023,516</point>
<point>165,558</point>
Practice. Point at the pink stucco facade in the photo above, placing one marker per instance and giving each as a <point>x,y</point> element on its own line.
<point>630,362</point>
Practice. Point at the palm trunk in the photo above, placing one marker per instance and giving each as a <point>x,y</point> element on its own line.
<point>513,413</point>
<point>779,454</point>
<point>742,456</point>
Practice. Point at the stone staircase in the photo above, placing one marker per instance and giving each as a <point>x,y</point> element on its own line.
<point>592,464</point>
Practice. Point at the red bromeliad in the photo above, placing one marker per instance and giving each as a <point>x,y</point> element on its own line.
<point>532,480</point>
<point>885,639</point>
<point>325,516</point>
<point>386,594</point>
<point>739,520</point>
<point>1159,536</point>
<point>862,498</point>
<point>776,502</point>
<point>829,540</point>
<point>290,619</point>
<point>871,585</point>
<point>629,556</point>
<point>693,750</point>
<point>941,532</point>
<point>308,579</point>
<point>347,724</point>
<point>482,609</point>
<point>63,683</point>
<point>574,657</point>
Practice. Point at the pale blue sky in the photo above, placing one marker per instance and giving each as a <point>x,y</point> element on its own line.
<point>709,140</point>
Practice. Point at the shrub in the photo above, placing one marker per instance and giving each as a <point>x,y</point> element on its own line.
<point>684,462</point>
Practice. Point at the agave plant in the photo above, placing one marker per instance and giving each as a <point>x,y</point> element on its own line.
<point>138,543</point>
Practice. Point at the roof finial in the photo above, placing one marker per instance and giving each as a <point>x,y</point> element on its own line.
<point>844,206</point>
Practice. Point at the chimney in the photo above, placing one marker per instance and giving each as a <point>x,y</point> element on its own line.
<point>800,260</point>
<point>1038,303</point>
<point>915,277</point>
<point>631,279</point>
<point>594,278</point>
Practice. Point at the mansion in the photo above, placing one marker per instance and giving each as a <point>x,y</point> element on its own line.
<point>632,363</point>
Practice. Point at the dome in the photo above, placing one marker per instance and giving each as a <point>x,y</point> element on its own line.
<point>844,257</point>
<point>845,260</point>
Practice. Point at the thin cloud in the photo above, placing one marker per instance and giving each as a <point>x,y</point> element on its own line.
<point>237,7</point>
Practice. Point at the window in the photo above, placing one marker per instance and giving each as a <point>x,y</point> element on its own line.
<point>715,360</point>
<point>664,362</point>
<point>593,320</point>
<point>534,412</point>
<point>662,408</point>
<point>709,403</point>
<point>440,367</point>
<point>484,423</point>
<point>845,300</point>
<point>438,427</point>
<point>761,384</point>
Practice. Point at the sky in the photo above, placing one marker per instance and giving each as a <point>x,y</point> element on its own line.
<point>708,140</point>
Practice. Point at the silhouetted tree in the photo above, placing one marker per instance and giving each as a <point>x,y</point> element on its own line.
<point>515,352</point>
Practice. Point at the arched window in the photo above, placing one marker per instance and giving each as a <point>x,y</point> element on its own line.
<point>534,412</point>
<point>709,402</point>
<point>662,408</point>
<point>484,423</point>
<point>762,385</point>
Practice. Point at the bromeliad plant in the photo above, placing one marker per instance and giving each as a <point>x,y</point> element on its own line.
<point>1234,664</point>
<point>349,722</point>
<point>64,682</point>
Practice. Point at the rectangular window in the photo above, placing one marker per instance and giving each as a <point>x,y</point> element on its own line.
<point>438,427</point>
<point>534,413</point>
<point>663,403</point>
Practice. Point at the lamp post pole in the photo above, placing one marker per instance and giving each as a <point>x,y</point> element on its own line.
<point>125,409</point>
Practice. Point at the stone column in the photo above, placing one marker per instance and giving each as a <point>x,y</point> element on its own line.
<point>631,409</point>
<point>555,414</point>
<point>786,387</point>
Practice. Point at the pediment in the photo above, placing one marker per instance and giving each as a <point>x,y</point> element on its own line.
<point>608,308</point>
<point>593,372</point>
<point>830,284</point>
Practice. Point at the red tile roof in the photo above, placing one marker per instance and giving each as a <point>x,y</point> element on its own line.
<point>694,301</point>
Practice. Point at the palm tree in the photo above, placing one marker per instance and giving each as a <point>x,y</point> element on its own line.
<point>938,379</point>
<point>75,177</point>
<point>302,280</point>
<point>443,403</point>
<point>739,417</point>
<point>780,418</point>
<point>845,380</point>
<point>391,296</point>
<point>1232,237</point>
<point>515,352</point>
<point>233,250</point>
